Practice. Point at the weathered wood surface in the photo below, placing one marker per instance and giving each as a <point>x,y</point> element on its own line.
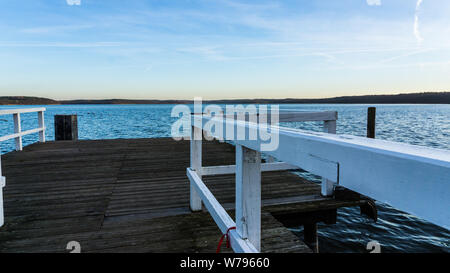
<point>66,127</point>
<point>371,119</point>
<point>133,196</point>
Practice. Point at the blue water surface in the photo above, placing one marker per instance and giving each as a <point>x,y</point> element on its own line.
<point>396,231</point>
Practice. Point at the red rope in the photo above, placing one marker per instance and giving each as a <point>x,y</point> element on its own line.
<point>227,236</point>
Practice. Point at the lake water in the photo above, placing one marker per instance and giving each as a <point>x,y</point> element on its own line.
<point>426,125</point>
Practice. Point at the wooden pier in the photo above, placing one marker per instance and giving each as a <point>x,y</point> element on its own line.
<point>132,195</point>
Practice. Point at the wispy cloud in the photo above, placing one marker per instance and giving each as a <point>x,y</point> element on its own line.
<point>373,2</point>
<point>76,45</point>
<point>416,22</point>
<point>73,2</point>
<point>412,53</point>
<point>280,50</point>
<point>209,52</point>
<point>55,29</point>
<point>246,6</point>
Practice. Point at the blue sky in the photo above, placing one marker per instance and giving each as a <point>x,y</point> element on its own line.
<point>174,49</point>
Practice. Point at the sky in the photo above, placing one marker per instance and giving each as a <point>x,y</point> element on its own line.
<point>181,49</point>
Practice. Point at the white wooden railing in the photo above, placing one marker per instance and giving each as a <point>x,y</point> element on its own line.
<point>328,118</point>
<point>410,178</point>
<point>18,133</point>
<point>248,168</point>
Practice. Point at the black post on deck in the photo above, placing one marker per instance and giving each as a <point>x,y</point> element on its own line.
<point>371,115</point>
<point>310,236</point>
<point>66,127</point>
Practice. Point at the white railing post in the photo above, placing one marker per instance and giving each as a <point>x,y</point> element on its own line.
<point>248,195</point>
<point>196,165</point>
<point>329,126</point>
<point>2,184</point>
<point>42,126</point>
<point>17,130</point>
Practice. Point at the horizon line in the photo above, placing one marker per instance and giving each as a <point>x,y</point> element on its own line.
<point>225,99</point>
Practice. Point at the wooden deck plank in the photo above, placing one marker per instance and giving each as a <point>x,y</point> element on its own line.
<point>132,195</point>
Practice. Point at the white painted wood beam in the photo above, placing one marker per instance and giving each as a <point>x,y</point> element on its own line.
<point>219,215</point>
<point>248,195</point>
<point>17,130</point>
<point>196,165</point>
<point>327,186</point>
<point>231,169</point>
<point>41,123</point>
<point>23,133</point>
<point>18,111</point>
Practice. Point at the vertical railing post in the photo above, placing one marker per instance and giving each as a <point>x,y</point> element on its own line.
<point>17,129</point>
<point>42,126</point>
<point>248,195</point>
<point>2,184</point>
<point>329,126</point>
<point>196,165</point>
<point>310,236</point>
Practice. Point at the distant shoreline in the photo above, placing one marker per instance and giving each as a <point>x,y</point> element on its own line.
<point>407,98</point>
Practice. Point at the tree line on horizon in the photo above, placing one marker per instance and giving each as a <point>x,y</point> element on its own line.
<point>407,98</point>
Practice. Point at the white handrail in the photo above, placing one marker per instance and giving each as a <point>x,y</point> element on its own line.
<point>411,178</point>
<point>220,216</point>
<point>21,110</point>
<point>247,236</point>
<point>18,133</point>
<point>291,115</point>
<point>328,118</point>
